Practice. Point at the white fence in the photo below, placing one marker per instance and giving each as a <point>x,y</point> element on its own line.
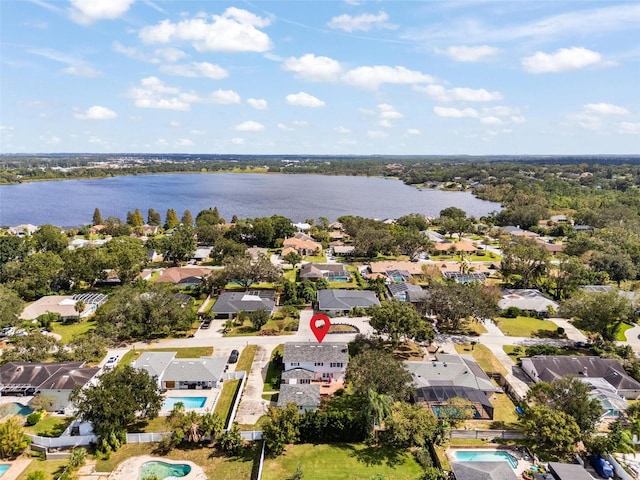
<point>66,441</point>
<point>252,435</point>
<point>243,376</point>
<point>507,434</point>
<point>146,437</point>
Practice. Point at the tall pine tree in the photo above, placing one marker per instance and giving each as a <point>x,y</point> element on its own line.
<point>171,220</point>
<point>97,217</point>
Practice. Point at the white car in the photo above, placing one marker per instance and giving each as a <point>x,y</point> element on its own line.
<point>111,362</point>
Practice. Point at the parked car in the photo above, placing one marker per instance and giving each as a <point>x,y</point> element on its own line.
<point>233,358</point>
<point>581,345</point>
<point>111,362</point>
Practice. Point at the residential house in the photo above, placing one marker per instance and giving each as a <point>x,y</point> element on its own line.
<point>23,230</point>
<point>453,376</point>
<point>406,292</point>
<point>229,304</point>
<point>568,471</point>
<point>202,254</point>
<point>154,256</point>
<point>148,230</point>
<point>302,226</point>
<point>341,302</point>
<point>483,471</point>
<point>256,252</point>
<point>182,374</point>
<point>55,380</point>
<point>305,363</point>
<point>184,276</point>
<point>461,246</point>
<point>434,236</point>
<point>413,268</point>
<point>518,232</point>
<point>470,277</point>
<point>303,244</point>
<point>306,397</point>
<point>64,305</point>
<point>527,300</point>
<point>343,250</point>
<point>543,368</point>
<point>328,271</point>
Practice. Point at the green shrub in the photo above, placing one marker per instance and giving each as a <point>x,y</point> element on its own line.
<point>37,475</point>
<point>35,417</point>
<point>512,312</point>
<point>77,457</point>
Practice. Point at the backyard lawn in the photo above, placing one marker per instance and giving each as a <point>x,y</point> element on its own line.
<point>52,468</point>
<point>50,426</point>
<point>525,326</point>
<point>69,330</point>
<point>225,402</point>
<point>343,461</point>
<point>218,467</point>
<point>487,360</point>
<point>273,374</point>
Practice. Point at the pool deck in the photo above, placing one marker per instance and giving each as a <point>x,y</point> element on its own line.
<point>130,469</point>
<point>524,462</point>
<point>212,396</point>
<point>17,466</point>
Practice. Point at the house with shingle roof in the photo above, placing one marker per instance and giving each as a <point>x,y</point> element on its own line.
<point>527,299</point>
<point>64,305</point>
<point>341,302</point>
<point>483,471</point>
<point>407,292</point>
<point>56,380</point>
<point>184,373</point>
<point>306,397</point>
<point>184,276</point>
<point>305,362</point>
<point>229,304</point>
<point>329,271</point>
<point>302,243</point>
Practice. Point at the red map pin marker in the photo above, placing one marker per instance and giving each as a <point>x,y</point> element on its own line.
<point>320,324</point>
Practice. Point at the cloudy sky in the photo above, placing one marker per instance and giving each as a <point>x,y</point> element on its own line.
<point>325,77</point>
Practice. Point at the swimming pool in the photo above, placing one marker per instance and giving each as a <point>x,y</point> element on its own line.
<point>164,470</point>
<point>485,456</point>
<point>3,469</point>
<point>15,409</point>
<point>189,402</point>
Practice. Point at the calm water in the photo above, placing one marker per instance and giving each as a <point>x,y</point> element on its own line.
<point>71,202</point>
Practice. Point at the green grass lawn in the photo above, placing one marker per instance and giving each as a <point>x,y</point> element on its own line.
<point>215,466</point>
<point>516,352</point>
<point>69,330</point>
<point>246,358</point>
<point>184,352</point>
<point>273,374</point>
<point>50,426</point>
<point>225,402</point>
<point>52,468</point>
<point>158,424</point>
<point>315,259</point>
<point>290,275</point>
<point>525,326</point>
<point>487,360</point>
<point>621,337</point>
<point>343,461</point>
<point>504,413</point>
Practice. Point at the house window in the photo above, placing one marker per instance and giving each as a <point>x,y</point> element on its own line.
<point>327,375</point>
<point>303,381</point>
<point>295,364</point>
<point>319,364</point>
<point>337,364</point>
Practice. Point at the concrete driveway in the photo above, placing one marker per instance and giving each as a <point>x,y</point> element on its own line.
<point>252,405</point>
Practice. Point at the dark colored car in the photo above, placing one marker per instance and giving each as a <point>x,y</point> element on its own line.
<point>233,358</point>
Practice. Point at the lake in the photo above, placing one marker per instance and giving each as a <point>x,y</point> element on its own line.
<point>298,197</point>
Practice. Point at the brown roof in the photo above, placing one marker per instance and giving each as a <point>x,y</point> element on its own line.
<point>462,245</point>
<point>176,274</point>
<point>300,244</point>
<point>413,268</point>
<point>478,267</point>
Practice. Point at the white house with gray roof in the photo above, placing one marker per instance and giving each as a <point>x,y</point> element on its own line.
<point>182,374</point>
<point>308,362</point>
<point>341,302</point>
<point>229,304</point>
<point>306,397</point>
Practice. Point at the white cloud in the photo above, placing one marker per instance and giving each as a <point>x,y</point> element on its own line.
<point>198,132</point>
<point>174,124</point>
<point>342,130</point>
<point>51,139</point>
<point>154,93</point>
<point>371,77</point>
<point>82,71</point>
<point>95,139</point>
<point>196,69</point>
<point>96,112</point>
<point>562,60</point>
<point>170,54</point>
<point>438,92</point>
<point>377,134</point>
<point>629,128</point>
<point>184,142</point>
<point>413,131</point>
<point>6,128</point>
<point>258,103</point>
<point>491,120</point>
<point>286,128</point>
<point>237,141</point>
<point>605,109</point>
<point>363,22</point>
<point>303,99</point>
<point>300,123</point>
<point>480,53</point>
<point>501,115</point>
<point>89,11</point>
<point>249,126</point>
<point>131,52</point>
<point>455,112</point>
<point>310,67</point>
<point>236,30</point>
<point>386,113</point>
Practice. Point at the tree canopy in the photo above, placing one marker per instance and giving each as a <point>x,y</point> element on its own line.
<point>379,371</point>
<point>400,320</point>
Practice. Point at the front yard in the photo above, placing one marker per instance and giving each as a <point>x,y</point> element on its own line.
<point>72,329</point>
<point>526,327</point>
<point>343,460</point>
<point>485,358</point>
<point>183,352</point>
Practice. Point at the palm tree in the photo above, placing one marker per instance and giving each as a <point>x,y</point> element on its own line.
<point>377,408</point>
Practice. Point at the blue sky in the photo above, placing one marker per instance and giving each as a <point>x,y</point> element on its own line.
<point>320,77</point>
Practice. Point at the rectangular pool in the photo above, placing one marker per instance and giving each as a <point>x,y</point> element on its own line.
<point>3,469</point>
<point>189,402</point>
<point>485,456</point>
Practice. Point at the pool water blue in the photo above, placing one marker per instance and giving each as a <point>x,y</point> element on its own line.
<point>189,402</point>
<point>3,469</point>
<point>164,470</point>
<point>485,456</point>
<point>15,409</point>
<point>339,279</point>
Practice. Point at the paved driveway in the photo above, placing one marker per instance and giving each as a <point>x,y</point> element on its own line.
<point>252,405</point>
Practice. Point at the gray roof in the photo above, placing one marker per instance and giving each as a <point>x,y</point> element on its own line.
<point>483,471</point>
<point>205,369</point>
<point>50,376</point>
<point>442,394</point>
<point>154,363</point>
<point>551,367</point>
<point>320,270</point>
<point>307,395</point>
<point>569,471</point>
<point>526,299</point>
<point>325,352</point>
<point>451,370</point>
<point>329,299</point>
<point>234,302</point>
<point>414,293</point>
<point>69,378</point>
<point>297,373</point>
